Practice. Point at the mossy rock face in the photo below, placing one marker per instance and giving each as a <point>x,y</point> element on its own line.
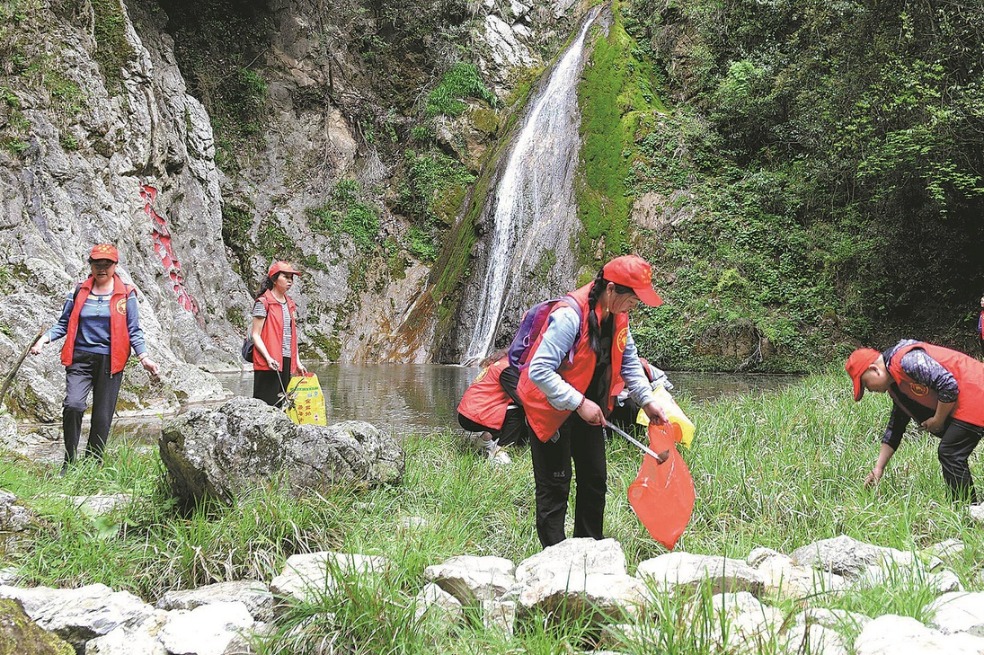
<point>19,635</point>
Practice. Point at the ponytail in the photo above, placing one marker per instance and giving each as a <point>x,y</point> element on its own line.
<point>265,286</point>
<point>594,329</point>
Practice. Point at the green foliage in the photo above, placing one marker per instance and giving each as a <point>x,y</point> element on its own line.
<point>617,100</point>
<point>237,221</point>
<point>217,45</point>
<point>405,45</point>
<point>112,48</point>
<point>846,137</point>
<point>345,212</point>
<point>461,81</point>
<point>272,241</point>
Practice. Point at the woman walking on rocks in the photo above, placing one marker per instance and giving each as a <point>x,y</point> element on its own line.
<point>274,334</point>
<point>576,369</point>
<point>101,320</point>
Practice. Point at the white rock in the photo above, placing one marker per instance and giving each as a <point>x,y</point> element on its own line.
<point>903,635</point>
<point>958,612</point>
<point>205,630</point>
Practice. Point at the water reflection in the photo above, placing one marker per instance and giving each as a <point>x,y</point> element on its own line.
<point>405,398</point>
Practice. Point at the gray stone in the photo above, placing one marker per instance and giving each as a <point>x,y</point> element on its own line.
<point>473,579</point>
<point>958,612</point>
<point>222,453</point>
<point>308,576</point>
<point>255,595</point>
<point>205,630</point>
<point>78,615</point>
<point>679,569</point>
<point>852,558</point>
<point>435,602</point>
<point>585,577</point>
<point>903,635</point>
<point>14,517</point>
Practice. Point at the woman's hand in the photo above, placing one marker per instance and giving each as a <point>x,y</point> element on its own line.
<point>874,476</point>
<point>301,369</point>
<point>36,348</point>
<point>591,412</point>
<point>150,366</point>
<point>272,363</point>
<point>655,412</point>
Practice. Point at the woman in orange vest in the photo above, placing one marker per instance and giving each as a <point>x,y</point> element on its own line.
<point>577,368</point>
<point>486,407</point>
<point>102,323</point>
<point>274,334</point>
<point>942,389</point>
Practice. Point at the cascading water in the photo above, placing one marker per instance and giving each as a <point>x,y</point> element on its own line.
<point>532,207</point>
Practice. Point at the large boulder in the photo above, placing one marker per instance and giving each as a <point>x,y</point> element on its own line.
<point>223,453</point>
<point>19,635</point>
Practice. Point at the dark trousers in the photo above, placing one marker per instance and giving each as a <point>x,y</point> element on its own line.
<point>271,386</point>
<point>957,443</point>
<point>89,372</point>
<point>514,429</point>
<point>552,473</point>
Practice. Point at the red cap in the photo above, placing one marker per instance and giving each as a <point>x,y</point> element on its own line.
<point>857,364</point>
<point>104,251</point>
<point>634,272</point>
<point>281,267</point>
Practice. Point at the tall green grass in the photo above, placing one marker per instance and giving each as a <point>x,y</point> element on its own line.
<point>780,469</point>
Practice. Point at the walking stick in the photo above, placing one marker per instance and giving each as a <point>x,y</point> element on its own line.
<point>17,365</point>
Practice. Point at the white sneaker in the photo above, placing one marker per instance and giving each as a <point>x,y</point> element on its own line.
<point>496,454</point>
<point>500,456</point>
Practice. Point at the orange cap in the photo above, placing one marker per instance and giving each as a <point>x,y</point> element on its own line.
<point>281,267</point>
<point>857,364</point>
<point>104,251</point>
<point>634,272</point>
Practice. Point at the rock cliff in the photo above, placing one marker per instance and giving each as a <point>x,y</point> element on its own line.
<point>113,128</point>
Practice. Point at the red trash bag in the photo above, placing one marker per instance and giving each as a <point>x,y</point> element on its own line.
<point>662,495</point>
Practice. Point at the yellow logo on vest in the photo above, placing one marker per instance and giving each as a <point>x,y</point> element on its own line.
<point>623,337</point>
<point>919,389</point>
<point>121,306</point>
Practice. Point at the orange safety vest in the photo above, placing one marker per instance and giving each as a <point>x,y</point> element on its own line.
<point>485,401</point>
<point>273,332</point>
<point>119,334</point>
<point>577,371</point>
<point>968,372</point>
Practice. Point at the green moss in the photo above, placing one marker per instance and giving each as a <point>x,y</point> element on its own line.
<point>324,346</point>
<point>112,48</point>
<point>19,635</point>
<point>485,120</point>
<point>617,99</point>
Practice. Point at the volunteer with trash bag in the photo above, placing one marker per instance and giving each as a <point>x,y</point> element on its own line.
<point>576,370</point>
<point>274,334</point>
<point>942,389</point>
<point>102,323</point>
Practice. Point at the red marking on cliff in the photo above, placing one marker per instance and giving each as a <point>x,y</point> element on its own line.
<point>165,250</point>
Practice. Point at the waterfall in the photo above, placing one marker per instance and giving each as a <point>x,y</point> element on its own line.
<point>532,206</point>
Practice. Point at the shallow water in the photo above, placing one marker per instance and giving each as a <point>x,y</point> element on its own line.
<point>397,398</point>
<point>423,397</point>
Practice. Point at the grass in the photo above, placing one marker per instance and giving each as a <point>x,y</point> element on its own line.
<point>780,469</point>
